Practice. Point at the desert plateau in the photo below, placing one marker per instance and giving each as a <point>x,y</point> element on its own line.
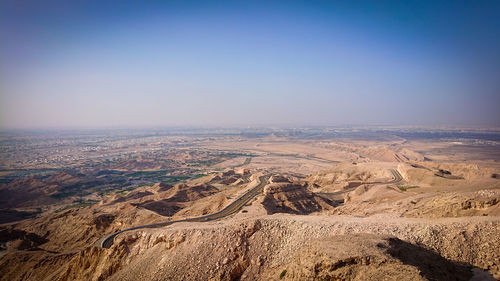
<point>297,204</point>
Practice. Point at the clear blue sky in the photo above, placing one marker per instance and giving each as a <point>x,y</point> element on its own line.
<point>239,63</point>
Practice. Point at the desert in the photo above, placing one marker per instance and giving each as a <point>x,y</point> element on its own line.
<point>249,140</point>
<point>269,208</point>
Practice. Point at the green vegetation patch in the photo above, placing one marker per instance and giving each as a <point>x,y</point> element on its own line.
<point>283,273</point>
<point>81,203</point>
<point>406,187</point>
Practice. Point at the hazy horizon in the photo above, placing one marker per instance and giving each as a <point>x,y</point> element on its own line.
<point>235,64</point>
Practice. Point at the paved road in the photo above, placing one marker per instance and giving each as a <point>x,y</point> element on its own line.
<point>339,195</point>
<point>236,205</point>
<point>397,177</point>
<point>230,209</point>
<point>247,161</point>
<point>309,157</point>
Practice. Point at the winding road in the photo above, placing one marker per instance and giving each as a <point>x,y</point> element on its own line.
<point>230,209</point>
<point>339,195</point>
<point>236,205</point>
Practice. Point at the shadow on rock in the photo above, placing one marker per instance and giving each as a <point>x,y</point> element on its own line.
<point>431,265</point>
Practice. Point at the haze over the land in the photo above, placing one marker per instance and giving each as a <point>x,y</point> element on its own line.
<point>249,140</point>
<point>250,204</point>
<point>94,64</point>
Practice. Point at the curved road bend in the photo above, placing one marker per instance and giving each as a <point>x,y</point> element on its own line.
<point>230,209</point>
<point>338,196</point>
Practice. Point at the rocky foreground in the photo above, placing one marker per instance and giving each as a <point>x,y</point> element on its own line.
<point>289,232</point>
<point>291,248</point>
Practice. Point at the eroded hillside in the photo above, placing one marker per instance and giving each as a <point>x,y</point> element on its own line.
<point>386,211</point>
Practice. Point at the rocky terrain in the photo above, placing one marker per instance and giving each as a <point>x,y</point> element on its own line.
<point>387,213</point>
<point>285,196</point>
<point>379,231</point>
<point>289,248</point>
<point>32,191</point>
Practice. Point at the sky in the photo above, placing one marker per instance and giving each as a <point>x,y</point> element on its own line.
<point>128,64</point>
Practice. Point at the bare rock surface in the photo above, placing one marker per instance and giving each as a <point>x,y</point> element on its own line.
<point>314,247</point>
<point>283,196</point>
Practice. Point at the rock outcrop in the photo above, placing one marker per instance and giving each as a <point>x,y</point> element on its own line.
<point>283,196</point>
